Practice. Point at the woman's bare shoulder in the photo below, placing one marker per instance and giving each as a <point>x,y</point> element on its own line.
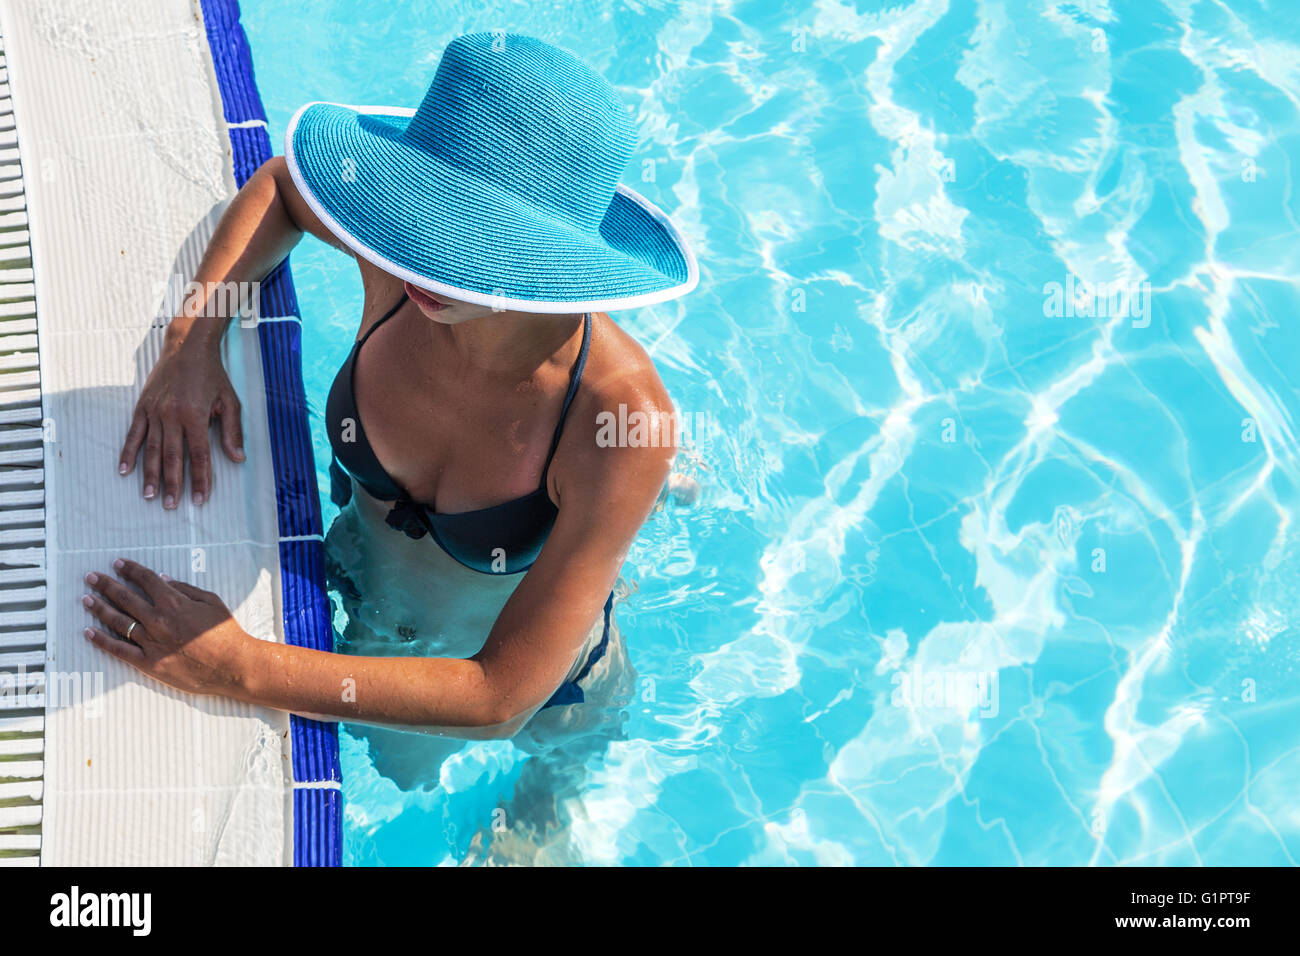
<point>621,372</point>
<point>622,425</point>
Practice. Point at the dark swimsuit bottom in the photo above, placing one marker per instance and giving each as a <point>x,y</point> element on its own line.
<point>502,539</point>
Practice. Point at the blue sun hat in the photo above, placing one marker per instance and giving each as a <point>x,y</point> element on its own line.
<point>502,189</point>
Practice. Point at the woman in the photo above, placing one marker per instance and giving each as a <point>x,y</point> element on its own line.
<point>486,524</point>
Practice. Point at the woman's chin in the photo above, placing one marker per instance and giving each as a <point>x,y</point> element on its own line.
<point>430,303</point>
<point>445,311</point>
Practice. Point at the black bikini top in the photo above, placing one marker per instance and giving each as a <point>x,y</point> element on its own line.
<point>502,539</point>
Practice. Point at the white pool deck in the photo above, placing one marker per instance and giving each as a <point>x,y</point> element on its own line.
<point>113,150</point>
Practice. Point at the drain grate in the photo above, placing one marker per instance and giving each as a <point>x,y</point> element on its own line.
<point>22,517</point>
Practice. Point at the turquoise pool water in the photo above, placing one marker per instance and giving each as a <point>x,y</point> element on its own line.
<point>996,557</point>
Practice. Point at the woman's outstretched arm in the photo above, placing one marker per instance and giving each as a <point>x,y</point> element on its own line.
<point>187,638</point>
<point>188,387</point>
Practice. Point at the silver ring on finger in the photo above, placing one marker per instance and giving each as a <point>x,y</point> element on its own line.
<point>130,629</point>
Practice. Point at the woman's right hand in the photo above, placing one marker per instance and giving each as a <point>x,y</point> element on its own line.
<point>188,387</point>
<point>185,391</point>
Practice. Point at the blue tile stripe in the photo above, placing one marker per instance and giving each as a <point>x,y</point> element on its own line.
<point>317,807</point>
<point>319,810</point>
<point>233,61</point>
<point>250,145</point>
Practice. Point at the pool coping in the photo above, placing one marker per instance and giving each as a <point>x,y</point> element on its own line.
<point>305,608</point>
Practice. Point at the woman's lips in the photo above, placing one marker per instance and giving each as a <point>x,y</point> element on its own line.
<point>423,298</point>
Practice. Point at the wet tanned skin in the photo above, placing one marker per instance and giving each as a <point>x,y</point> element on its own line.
<point>459,403</point>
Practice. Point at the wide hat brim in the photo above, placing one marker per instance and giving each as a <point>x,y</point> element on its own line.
<point>450,232</point>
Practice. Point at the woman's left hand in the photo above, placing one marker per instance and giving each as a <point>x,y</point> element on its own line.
<point>182,635</point>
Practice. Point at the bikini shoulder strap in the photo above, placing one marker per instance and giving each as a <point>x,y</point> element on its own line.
<point>382,319</point>
<point>575,379</point>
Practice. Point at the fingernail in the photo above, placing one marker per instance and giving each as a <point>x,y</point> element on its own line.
<point>91,577</point>
<point>165,576</point>
<point>119,564</point>
<point>87,600</point>
<point>122,469</point>
<point>87,633</point>
<point>150,491</point>
<point>198,497</point>
<point>239,453</point>
<point>169,501</point>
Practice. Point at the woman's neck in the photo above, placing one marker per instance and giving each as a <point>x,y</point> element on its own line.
<point>507,343</point>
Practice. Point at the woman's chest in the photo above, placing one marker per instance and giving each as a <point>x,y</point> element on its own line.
<point>456,442</point>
